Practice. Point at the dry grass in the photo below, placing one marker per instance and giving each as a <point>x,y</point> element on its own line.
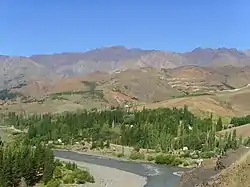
<point>226,104</point>
<point>198,104</point>
<point>148,85</point>
<point>237,175</point>
<point>243,130</point>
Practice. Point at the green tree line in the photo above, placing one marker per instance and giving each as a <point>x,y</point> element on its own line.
<point>161,129</point>
<point>238,121</point>
<point>23,160</point>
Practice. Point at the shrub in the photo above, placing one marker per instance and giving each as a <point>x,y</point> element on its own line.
<point>119,155</point>
<point>107,144</point>
<point>58,163</point>
<point>57,173</point>
<point>207,154</point>
<point>94,145</point>
<point>53,183</point>
<point>136,149</point>
<point>137,156</point>
<point>150,158</point>
<point>186,154</point>
<point>247,141</point>
<point>69,178</point>
<point>168,160</point>
<point>83,176</point>
<point>71,166</point>
<point>186,163</point>
<point>176,161</point>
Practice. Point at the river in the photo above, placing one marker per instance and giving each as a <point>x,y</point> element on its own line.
<point>157,175</point>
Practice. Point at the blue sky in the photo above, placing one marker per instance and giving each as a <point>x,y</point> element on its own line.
<point>50,26</point>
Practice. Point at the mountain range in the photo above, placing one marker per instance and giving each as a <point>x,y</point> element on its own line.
<point>17,70</point>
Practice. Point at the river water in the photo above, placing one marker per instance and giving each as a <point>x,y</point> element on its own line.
<point>157,175</point>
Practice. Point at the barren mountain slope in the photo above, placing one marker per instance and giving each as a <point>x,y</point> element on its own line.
<point>114,58</point>
<point>150,85</point>
<point>111,59</point>
<point>217,57</point>
<point>195,78</point>
<point>16,71</point>
<point>146,84</point>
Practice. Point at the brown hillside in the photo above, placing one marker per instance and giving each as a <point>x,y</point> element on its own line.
<point>243,131</point>
<point>198,104</point>
<point>191,72</point>
<point>147,85</point>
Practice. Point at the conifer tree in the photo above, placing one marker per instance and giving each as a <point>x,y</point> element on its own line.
<point>234,140</point>
<point>219,125</point>
<point>48,166</point>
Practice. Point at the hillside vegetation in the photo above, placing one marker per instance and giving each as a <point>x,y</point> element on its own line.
<point>164,131</point>
<point>29,164</point>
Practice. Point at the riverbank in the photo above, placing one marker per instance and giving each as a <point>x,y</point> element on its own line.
<point>99,154</point>
<point>132,155</point>
<point>155,175</point>
<point>111,177</point>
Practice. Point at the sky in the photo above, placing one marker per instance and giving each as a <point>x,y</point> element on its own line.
<point>52,26</point>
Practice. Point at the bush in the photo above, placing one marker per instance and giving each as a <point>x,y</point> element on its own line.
<point>207,154</point>
<point>83,176</point>
<point>57,173</point>
<point>150,158</point>
<point>186,154</point>
<point>69,178</point>
<point>71,166</point>
<point>107,144</point>
<point>176,161</point>
<point>58,163</point>
<point>137,156</point>
<point>136,149</point>
<point>53,183</point>
<point>186,163</point>
<point>93,146</point>
<point>119,155</point>
<point>246,141</point>
<point>168,160</point>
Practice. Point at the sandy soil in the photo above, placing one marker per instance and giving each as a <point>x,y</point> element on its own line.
<point>110,177</point>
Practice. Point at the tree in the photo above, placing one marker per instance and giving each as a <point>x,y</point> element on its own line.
<point>1,142</point>
<point>234,140</point>
<point>229,141</point>
<point>219,125</point>
<point>18,161</point>
<point>48,166</point>
<point>162,128</point>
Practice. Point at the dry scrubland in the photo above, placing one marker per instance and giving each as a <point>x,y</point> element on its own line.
<point>243,131</point>
<point>237,175</point>
<point>225,104</point>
